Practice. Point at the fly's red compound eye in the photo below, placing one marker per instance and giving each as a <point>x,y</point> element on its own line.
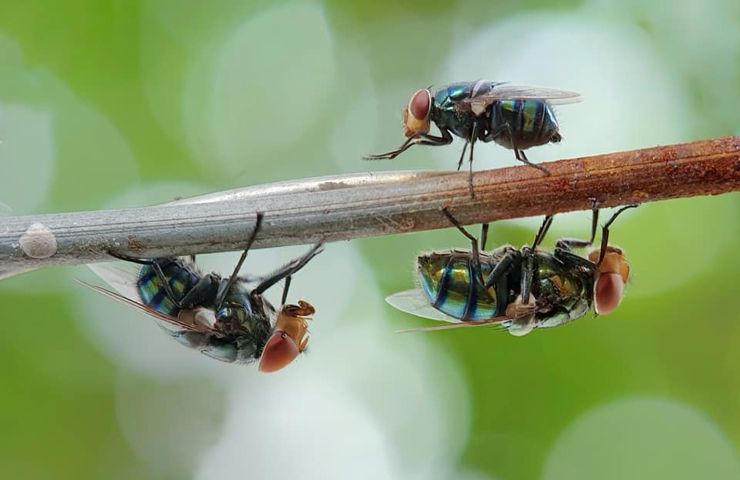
<point>608,292</point>
<point>279,351</point>
<point>420,104</point>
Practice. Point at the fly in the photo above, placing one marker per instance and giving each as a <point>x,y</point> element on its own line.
<point>515,117</point>
<point>518,289</point>
<point>220,317</point>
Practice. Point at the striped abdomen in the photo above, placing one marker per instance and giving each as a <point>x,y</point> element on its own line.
<point>531,122</point>
<point>447,281</point>
<point>182,278</point>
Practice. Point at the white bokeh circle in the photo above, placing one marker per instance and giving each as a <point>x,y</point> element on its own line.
<point>642,437</point>
<point>266,84</point>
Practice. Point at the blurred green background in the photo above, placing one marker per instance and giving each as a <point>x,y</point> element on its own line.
<point>131,103</point>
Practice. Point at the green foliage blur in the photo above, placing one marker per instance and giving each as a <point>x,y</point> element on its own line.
<point>115,96</point>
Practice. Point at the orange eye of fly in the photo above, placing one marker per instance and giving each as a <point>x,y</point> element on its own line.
<point>279,351</point>
<point>420,104</point>
<point>608,292</point>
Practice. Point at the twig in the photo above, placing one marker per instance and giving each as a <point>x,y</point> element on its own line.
<point>362,205</point>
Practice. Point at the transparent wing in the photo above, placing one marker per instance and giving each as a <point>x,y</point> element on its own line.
<point>123,280</point>
<point>493,323</point>
<point>123,277</point>
<point>509,92</point>
<point>414,302</point>
<point>190,326</point>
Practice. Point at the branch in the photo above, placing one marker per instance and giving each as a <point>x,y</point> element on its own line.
<point>344,207</point>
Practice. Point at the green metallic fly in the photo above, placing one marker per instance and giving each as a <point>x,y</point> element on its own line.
<point>218,316</point>
<point>518,289</point>
<point>515,117</point>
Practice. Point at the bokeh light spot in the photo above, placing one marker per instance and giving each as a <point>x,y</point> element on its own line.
<point>642,438</point>
<point>267,85</point>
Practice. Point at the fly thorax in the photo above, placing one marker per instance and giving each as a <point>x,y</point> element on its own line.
<point>232,318</point>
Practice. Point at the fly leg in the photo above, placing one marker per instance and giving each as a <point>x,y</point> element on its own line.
<point>202,294</point>
<point>462,155</point>
<point>518,153</point>
<point>565,245</point>
<point>411,141</point>
<point>286,287</point>
<point>568,244</point>
<point>605,232</point>
<point>224,288</point>
<point>542,231</point>
<point>286,271</point>
<point>473,136</point>
<point>421,139</point>
<point>498,279</point>
<point>483,236</point>
<point>478,274</point>
<point>521,311</point>
<point>527,278</point>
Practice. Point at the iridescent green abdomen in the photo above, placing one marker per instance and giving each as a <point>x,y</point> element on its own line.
<point>531,122</point>
<point>182,278</point>
<point>446,279</point>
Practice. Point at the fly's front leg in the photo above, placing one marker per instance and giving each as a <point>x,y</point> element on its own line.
<point>445,138</point>
<point>411,141</point>
<point>421,139</point>
<point>605,232</point>
<point>573,260</point>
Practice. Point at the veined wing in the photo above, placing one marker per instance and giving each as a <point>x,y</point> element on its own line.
<point>415,303</point>
<point>480,102</point>
<point>124,282</point>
